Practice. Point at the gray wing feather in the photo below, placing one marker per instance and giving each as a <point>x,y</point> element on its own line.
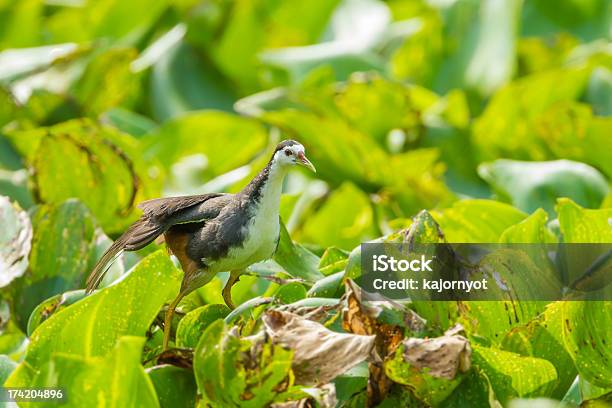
<point>159,215</point>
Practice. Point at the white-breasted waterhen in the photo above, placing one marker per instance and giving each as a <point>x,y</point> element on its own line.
<point>215,232</point>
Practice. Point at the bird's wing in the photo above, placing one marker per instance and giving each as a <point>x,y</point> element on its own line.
<point>159,215</point>
<point>164,209</point>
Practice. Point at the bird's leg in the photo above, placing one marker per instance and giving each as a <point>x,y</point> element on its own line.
<point>227,289</point>
<point>168,319</point>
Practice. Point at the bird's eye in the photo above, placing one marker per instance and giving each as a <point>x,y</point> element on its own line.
<point>288,152</point>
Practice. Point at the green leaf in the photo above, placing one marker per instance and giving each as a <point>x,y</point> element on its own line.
<point>54,304</point>
<point>295,259</point>
<point>507,126</point>
<point>532,185</point>
<point>481,221</point>
<point>328,286</point>
<point>194,323</point>
<point>333,260</point>
<point>116,380</point>
<point>344,220</point>
<point>542,338</point>
<point>63,253</point>
<point>532,229</point>
<point>227,376</point>
<point>290,292</point>
<point>92,326</point>
<point>228,141</point>
<point>107,81</point>
<point>587,329</point>
<point>514,376</point>
<point>181,81</point>
<point>175,387</point>
<point>99,165</point>
<point>582,225</point>
<point>15,241</point>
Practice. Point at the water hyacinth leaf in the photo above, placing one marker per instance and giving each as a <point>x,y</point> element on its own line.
<point>543,338</point>
<point>328,286</point>
<point>15,241</point>
<point>532,185</point>
<point>6,367</point>
<point>319,355</point>
<point>193,324</point>
<point>54,304</point>
<point>229,141</point>
<point>333,260</point>
<point>512,375</point>
<point>229,375</point>
<point>587,327</point>
<point>63,252</point>
<point>295,259</point>
<point>344,220</point>
<point>290,292</point>
<point>583,225</point>
<point>532,229</point>
<point>115,380</point>
<point>481,221</point>
<point>141,295</point>
<point>181,81</point>
<point>506,127</point>
<point>174,386</point>
<point>99,165</point>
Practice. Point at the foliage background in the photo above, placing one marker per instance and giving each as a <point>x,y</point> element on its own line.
<point>493,115</point>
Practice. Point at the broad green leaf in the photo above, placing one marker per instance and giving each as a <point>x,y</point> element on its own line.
<point>234,41</point>
<point>181,81</point>
<point>506,129</point>
<point>599,91</point>
<point>475,391</point>
<point>99,165</point>
<point>50,306</point>
<point>290,292</point>
<point>227,141</point>
<point>344,220</point>
<point>116,380</point>
<point>295,259</point>
<point>328,286</point>
<point>570,131</point>
<point>107,81</point>
<point>542,338</point>
<point>194,323</point>
<point>175,387</point>
<point>532,185</point>
<point>229,377</point>
<point>91,327</point>
<point>63,253</point>
<point>15,241</point>
<point>532,229</point>
<point>514,376</point>
<point>481,221</point>
<point>333,260</point>
<point>583,225</point>
<point>587,329</point>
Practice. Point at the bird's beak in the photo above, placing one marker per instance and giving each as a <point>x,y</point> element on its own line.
<point>302,160</point>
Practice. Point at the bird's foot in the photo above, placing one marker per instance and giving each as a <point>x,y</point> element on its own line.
<point>227,289</point>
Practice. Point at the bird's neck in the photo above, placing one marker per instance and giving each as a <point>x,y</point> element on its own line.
<point>265,189</point>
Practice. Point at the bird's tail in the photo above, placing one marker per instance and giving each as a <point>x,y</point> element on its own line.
<point>138,235</point>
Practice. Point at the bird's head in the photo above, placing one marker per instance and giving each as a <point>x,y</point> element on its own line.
<point>290,153</point>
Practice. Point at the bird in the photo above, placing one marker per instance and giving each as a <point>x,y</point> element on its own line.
<point>214,232</point>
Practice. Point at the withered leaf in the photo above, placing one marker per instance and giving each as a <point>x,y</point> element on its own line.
<point>442,356</point>
<point>319,354</point>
